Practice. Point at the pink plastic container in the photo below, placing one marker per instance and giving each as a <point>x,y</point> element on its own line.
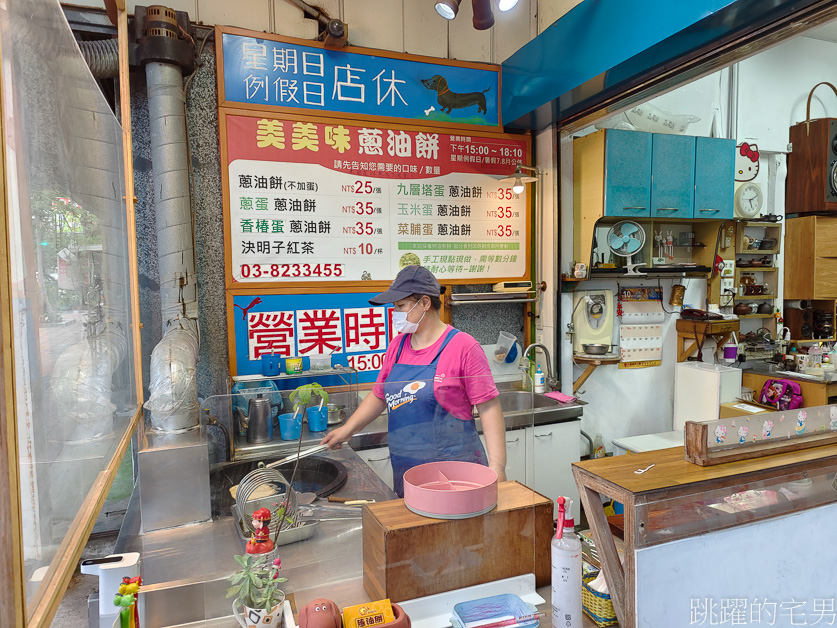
<point>450,490</point>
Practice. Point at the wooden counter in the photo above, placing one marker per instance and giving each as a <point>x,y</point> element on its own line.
<point>814,393</point>
<point>673,500</point>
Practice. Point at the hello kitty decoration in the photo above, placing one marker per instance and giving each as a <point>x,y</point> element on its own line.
<point>758,435</point>
<point>746,162</point>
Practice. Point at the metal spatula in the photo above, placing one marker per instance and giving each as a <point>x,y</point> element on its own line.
<point>302,454</point>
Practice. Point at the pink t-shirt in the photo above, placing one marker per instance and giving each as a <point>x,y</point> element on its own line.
<point>463,377</point>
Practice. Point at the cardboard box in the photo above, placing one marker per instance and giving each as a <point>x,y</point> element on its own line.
<point>728,410</point>
<point>406,556</point>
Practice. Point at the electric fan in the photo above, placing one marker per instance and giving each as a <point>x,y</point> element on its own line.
<point>624,239</point>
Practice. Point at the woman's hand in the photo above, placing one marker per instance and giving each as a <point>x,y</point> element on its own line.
<point>500,470</point>
<point>336,437</point>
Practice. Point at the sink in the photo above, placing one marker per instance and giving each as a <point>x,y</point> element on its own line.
<point>517,400</point>
<point>521,408</point>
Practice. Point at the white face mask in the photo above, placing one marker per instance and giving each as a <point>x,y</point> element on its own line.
<point>402,325</point>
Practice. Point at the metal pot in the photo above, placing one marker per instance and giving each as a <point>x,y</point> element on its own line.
<point>336,413</point>
<point>596,349</point>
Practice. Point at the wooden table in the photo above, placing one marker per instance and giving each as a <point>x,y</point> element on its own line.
<point>814,393</point>
<point>673,477</point>
<point>592,363</point>
<point>720,331</point>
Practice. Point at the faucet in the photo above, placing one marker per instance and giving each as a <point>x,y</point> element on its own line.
<point>550,381</point>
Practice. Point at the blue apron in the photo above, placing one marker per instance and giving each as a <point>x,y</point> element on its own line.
<point>420,429</point>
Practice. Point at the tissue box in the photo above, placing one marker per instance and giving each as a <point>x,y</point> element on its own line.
<point>597,606</point>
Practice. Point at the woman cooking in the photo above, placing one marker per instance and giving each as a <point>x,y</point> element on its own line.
<point>432,377</point>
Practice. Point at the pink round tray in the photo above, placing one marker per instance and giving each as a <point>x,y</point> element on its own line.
<point>450,490</point>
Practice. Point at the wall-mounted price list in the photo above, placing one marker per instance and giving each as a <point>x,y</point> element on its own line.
<point>311,201</point>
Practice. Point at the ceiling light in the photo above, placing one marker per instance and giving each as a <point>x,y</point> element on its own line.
<point>447,8</point>
<point>506,5</point>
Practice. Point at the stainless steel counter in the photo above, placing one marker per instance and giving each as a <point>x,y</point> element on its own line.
<point>184,569</point>
<point>519,408</point>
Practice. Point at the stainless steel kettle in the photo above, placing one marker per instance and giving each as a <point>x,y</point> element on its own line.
<point>260,419</point>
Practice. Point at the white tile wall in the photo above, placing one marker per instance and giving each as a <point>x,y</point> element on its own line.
<point>378,24</point>
<point>425,32</point>
<point>289,21</point>
<point>250,14</point>
<point>466,43</point>
<point>402,25</point>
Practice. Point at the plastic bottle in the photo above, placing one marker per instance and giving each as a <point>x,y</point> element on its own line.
<point>540,380</point>
<point>598,447</point>
<point>566,570</point>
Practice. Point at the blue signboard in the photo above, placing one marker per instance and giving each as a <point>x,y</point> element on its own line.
<point>267,73</point>
<point>355,333</point>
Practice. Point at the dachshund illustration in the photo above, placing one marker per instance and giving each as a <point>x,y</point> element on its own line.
<point>452,100</point>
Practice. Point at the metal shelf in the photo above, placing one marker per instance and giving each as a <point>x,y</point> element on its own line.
<point>340,370</point>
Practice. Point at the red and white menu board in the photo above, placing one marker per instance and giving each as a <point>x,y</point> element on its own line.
<point>316,201</point>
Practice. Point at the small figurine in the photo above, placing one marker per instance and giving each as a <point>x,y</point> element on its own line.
<point>320,614</point>
<point>126,600</point>
<point>260,542</point>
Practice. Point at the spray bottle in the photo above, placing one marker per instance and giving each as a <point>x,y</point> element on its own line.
<point>566,570</point>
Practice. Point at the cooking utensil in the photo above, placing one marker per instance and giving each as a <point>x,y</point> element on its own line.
<point>302,454</point>
<point>596,348</point>
<point>336,413</point>
<point>260,419</point>
<point>350,501</point>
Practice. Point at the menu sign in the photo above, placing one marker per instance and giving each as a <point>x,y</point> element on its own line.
<point>317,202</point>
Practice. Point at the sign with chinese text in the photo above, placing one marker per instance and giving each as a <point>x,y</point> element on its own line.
<point>263,71</point>
<point>318,202</point>
<point>355,333</point>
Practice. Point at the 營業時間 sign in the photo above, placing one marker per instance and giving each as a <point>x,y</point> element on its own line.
<point>265,71</point>
<point>318,201</point>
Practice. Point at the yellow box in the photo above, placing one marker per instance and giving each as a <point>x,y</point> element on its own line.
<point>369,614</point>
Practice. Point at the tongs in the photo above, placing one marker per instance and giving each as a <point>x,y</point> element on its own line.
<point>302,454</point>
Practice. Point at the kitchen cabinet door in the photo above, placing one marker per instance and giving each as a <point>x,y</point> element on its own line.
<point>554,448</point>
<point>672,176</point>
<point>714,177</point>
<point>378,461</point>
<point>515,455</point>
<point>627,173</point>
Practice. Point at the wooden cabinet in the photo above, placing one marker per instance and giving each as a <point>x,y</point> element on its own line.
<point>714,177</point>
<point>378,461</point>
<point>672,176</point>
<point>554,448</point>
<point>630,174</point>
<point>627,173</point>
<point>811,258</point>
<point>515,455</point>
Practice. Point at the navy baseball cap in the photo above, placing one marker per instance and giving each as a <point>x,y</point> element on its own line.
<point>411,280</point>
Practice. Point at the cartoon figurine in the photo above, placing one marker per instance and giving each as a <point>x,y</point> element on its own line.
<point>833,414</point>
<point>320,614</point>
<point>126,599</point>
<point>746,162</point>
<point>720,433</point>
<point>742,433</point>
<point>765,429</point>
<point>260,542</point>
<point>800,422</point>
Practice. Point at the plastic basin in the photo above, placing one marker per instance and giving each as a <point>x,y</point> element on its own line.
<point>450,489</point>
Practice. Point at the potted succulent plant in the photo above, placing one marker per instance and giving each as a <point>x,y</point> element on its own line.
<point>255,587</point>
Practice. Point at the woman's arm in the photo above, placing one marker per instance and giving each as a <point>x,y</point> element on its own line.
<point>494,430</point>
<point>368,410</point>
